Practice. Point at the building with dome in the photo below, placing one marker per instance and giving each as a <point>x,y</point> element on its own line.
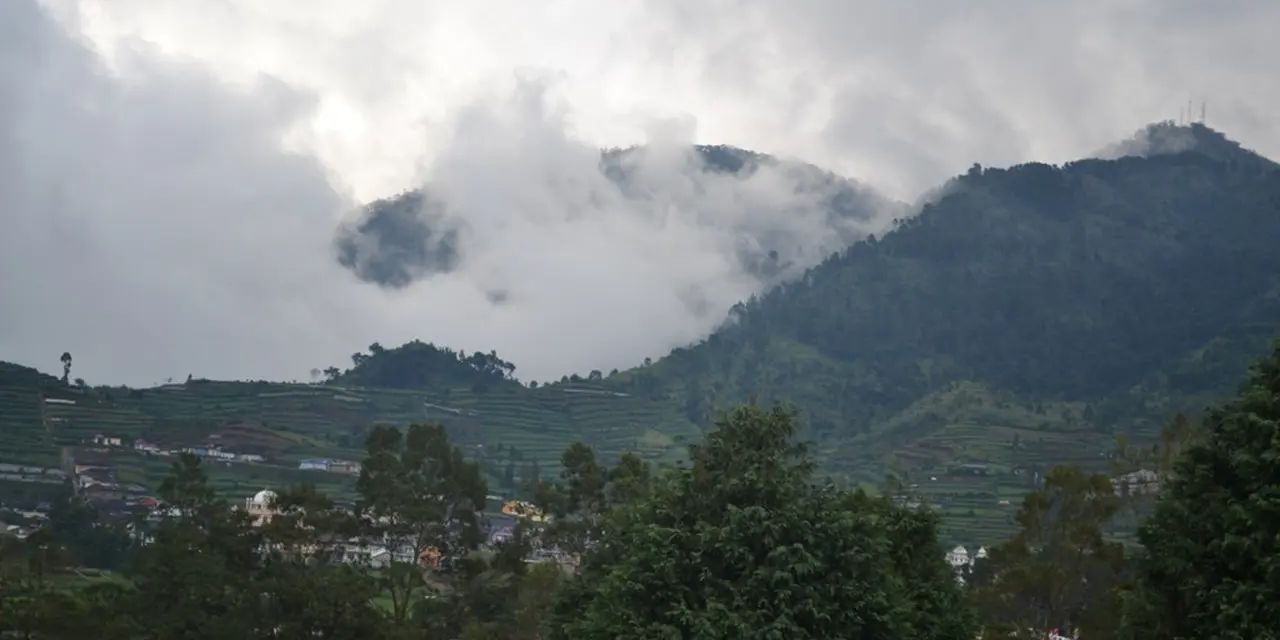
<point>261,507</point>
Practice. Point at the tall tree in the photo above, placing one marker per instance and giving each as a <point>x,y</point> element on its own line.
<point>1213,542</point>
<point>195,579</point>
<point>419,494</point>
<point>1057,571</point>
<point>66,366</point>
<point>744,544</point>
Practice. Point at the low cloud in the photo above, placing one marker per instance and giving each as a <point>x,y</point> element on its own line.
<point>515,181</point>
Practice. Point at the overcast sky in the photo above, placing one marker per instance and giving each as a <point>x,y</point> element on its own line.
<point>172,173</point>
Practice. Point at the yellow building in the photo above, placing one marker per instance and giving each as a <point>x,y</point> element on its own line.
<point>522,509</point>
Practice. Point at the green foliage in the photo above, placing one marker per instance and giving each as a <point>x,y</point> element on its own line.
<point>420,365</point>
<point>1058,572</point>
<point>742,545</point>
<point>418,493</point>
<point>1213,543</point>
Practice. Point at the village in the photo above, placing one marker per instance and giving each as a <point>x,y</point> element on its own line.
<point>89,474</point>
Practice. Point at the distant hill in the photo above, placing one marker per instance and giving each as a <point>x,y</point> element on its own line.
<point>423,366</point>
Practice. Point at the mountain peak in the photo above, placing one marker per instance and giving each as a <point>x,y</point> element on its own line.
<point>1169,138</point>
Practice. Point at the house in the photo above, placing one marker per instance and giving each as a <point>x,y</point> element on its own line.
<point>502,535</point>
<point>374,556</point>
<point>249,457</point>
<point>344,466</point>
<point>145,447</point>
<point>958,557</point>
<point>314,464</point>
<point>1137,483</point>
<point>107,441</point>
<point>522,509</point>
<point>332,466</point>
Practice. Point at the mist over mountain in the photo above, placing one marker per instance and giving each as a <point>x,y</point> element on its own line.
<point>767,217</point>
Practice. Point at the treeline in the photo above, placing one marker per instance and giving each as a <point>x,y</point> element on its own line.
<point>422,365</point>
<point>741,541</point>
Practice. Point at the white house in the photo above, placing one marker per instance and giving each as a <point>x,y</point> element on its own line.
<point>107,441</point>
<point>1140,482</point>
<point>145,447</point>
<point>314,464</point>
<point>958,557</point>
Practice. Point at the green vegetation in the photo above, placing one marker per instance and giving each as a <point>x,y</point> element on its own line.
<point>743,544</point>
<point>1213,543</point>
<point>1058,571</point>
<point>789,556</point>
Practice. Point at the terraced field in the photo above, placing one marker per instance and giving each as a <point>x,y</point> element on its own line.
<point>285,423</point>
<point>23,437</point>
<point>967,450</point>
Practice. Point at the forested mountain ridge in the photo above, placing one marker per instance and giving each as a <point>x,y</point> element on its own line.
<point>1107,285</point>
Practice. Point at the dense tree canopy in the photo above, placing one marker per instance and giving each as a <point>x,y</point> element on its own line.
<point>1213,543</point>
<point>744,544</point>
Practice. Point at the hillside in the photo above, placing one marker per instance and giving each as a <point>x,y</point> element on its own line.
<point>1025,318</point>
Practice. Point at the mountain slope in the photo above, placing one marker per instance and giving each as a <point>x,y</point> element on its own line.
<point>1072,284</point>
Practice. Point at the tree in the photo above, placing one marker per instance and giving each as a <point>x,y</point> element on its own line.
<point>196,578</point>
<point>1213,542</point>
<point>1057,571</point>
<point>66,366</point>
<point>743,544</point>
<point>418,493</point>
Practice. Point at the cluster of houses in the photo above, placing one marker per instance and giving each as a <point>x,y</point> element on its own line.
<point>211,451</point>
<point>21,523</point>
<point>26,473</point>
<point>379,553</point>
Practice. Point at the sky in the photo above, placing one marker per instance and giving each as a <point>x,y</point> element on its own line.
<point>173,174</point>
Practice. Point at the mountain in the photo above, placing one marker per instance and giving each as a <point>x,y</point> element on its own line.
<point>1026,317</point>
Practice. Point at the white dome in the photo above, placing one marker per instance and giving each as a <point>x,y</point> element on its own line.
<point>264,498</point>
